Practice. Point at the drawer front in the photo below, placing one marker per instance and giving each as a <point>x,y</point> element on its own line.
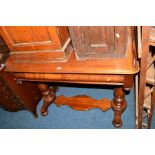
<point>99,41</point>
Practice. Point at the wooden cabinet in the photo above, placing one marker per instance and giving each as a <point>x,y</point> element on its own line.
<point>49,43</point>
<point>91,42</point>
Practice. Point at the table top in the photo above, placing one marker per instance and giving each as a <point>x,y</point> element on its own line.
<point>123,65</point>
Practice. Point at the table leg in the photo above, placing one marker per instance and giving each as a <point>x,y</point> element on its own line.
<point>118,105</point>
<point>48,97</point>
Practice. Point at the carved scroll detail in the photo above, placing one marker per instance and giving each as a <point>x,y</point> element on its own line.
<point>8,100</point>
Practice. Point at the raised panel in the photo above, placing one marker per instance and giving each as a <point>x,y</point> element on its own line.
<point>121,39</point>
<point>32,38</point>
<point>99,41</point>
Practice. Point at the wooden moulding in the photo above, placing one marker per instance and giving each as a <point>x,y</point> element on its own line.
<point>83,102</point>
<point>73,78</point>
<point>43,56</point>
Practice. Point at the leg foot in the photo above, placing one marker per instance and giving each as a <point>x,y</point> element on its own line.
<point>48,97</point>
<point>118,105</point>
<point>44,112</point>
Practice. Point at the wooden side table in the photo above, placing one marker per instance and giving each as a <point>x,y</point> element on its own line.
<point>113,67</point>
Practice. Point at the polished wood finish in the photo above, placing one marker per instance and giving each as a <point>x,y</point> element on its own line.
<point>101,66</point>
<point>128,81</point>
<point>48,97</point>
<point>118,105</point>
<point>106,55</point>
<point>31,43</point>
<point>75,78</point>
<point>83,102</point>
<point>34,38</point>
<point>105,66</point>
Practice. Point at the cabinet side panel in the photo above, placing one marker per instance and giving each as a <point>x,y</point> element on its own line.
<point>63,34</point>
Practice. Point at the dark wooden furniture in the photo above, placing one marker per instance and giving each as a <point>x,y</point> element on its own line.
<point>14,95</point>
<point>100,55</point>
<point>91,42</point>
<point>18,96</point>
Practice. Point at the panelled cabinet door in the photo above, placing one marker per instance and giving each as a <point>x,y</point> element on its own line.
<point>47,41</point>
<point>30,38</point>
<point>99,41</point>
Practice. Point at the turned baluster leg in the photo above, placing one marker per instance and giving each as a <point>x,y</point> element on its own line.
<point>118,105</point>
<point>48,97</point>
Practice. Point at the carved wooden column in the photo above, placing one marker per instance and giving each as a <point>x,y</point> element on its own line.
<point>48,97</point>
<point>118,105</point>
